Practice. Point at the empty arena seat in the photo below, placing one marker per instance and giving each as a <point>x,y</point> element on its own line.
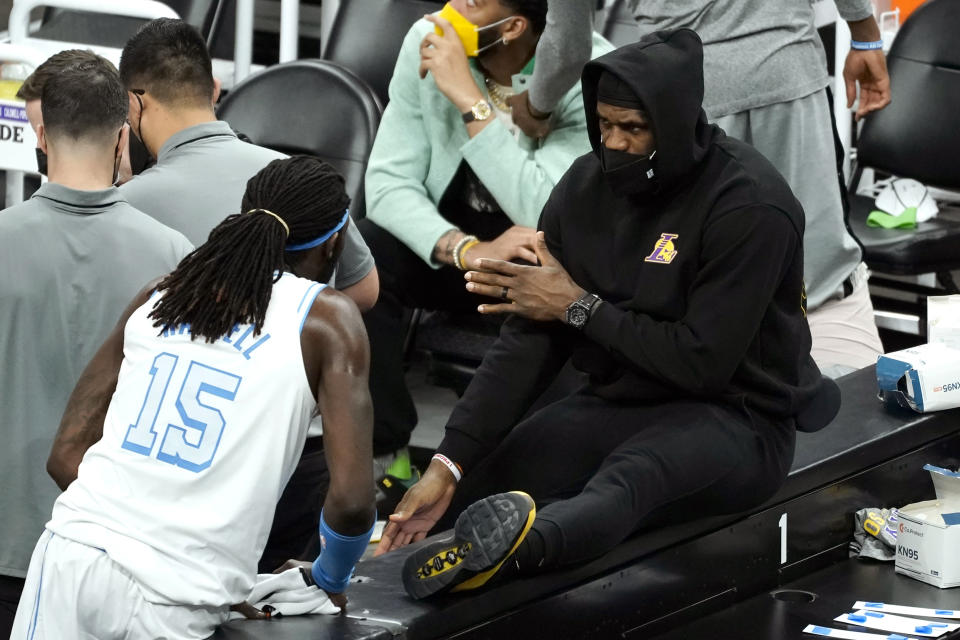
<point>366,36</point>
<point>916,136</point>
<point>315,107</point>
<point>669,575</point>
<point>108,30</point>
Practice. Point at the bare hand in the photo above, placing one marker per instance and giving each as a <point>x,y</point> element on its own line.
<point>538,293</point>
<point>869,68</point>
<point>534,125</point>
<point>515,243</point>
<point>421,507</point>
<point>306,569</point>
<point>444,57</point>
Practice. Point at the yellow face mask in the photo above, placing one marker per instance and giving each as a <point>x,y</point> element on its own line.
<point>468,32</point>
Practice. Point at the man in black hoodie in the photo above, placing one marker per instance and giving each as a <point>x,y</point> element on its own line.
<point>672,273</point>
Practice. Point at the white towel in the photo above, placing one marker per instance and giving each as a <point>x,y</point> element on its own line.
<point>289,595</point>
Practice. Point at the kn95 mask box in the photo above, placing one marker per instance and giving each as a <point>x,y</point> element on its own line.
<point>943,320</point>
<point>929,533</point>
<point>923,378</point>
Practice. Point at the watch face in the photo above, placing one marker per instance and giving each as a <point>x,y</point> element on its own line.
<point>577,316</point>
<point>481,110</point>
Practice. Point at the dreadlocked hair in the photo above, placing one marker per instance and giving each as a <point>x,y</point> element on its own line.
<point>228,280</point>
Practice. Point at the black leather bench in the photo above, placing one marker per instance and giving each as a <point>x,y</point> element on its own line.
<point>664,577</point>
<point>816,599</point>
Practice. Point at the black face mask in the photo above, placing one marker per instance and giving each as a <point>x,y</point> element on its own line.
<point>41,161</point>
<point>140,158</point>
<point>116,159</point>
<point>629,174</point>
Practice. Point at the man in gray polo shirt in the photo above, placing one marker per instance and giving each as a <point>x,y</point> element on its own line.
<point>202,167</point>
<point>199,179</point>
<point>72,258</point>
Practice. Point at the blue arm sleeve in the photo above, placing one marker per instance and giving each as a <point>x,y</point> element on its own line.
<point>338,555</point>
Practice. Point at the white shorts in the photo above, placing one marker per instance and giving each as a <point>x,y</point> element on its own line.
<point>77,592</point>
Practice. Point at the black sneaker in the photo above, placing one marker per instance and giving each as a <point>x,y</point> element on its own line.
<point>485,535</point>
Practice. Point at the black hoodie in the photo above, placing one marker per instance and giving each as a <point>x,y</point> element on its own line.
<point>702,282</point>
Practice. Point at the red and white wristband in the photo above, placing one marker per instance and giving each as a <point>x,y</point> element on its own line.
<point>449,464</point>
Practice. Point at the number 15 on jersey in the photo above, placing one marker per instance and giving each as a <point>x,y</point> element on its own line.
<point>195,450</point>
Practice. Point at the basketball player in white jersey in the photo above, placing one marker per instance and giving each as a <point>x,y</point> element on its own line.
<point>185,426</point>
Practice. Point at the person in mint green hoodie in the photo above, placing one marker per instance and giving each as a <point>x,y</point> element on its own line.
<point>451,179</point>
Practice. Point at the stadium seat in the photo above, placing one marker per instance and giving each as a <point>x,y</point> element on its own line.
<point>113,31</point>
<point>366,36</point>
<point>310,106</point>
<point>911,138</point>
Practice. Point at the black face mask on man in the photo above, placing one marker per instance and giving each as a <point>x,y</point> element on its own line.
<point>41,161</point>
<point>140,157</point>
<point>629,174</point>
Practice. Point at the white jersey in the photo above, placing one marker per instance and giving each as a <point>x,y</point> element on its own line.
<point>198,443</point>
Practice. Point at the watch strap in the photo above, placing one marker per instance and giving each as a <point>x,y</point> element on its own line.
<point>586,303</point>
<point>481,106</point>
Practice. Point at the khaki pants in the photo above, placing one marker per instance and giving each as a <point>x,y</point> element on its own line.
<point>844,333</point>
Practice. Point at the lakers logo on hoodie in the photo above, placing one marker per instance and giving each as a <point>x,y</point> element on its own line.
<point>664,250</point>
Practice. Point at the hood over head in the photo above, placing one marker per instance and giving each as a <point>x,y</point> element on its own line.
<point>664,70</point>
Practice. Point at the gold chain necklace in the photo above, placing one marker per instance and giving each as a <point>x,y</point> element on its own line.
<point>498,95</point>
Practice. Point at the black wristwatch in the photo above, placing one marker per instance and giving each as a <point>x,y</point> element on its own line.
<point>579,311</point>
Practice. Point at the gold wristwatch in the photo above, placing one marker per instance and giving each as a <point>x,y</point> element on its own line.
<point>481,110</point>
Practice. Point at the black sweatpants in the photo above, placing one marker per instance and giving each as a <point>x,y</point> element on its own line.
<point>406,282</point>
<point>10,590</point>
<point>601,470</point>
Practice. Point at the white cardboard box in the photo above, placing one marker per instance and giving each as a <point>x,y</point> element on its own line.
<point>924,378</point>
<point>943,320</point>
<point>928,544</point>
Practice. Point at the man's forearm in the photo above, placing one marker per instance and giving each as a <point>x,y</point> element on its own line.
<point>81,428</point>
<point>72,442</point>
<point>443,250</point>
<point>343,398</point>
<point>82,423</point>
<point>865,30</point>
<point>64,464</point>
